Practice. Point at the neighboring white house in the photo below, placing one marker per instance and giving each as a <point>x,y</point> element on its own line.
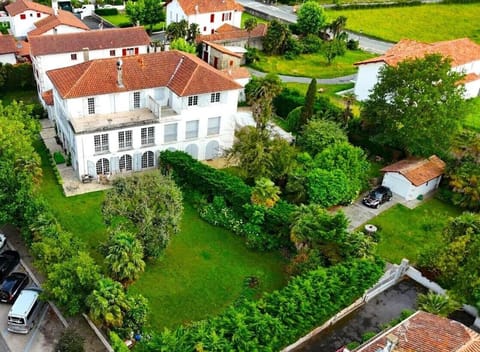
<point>116,115</point>
<point>413,177</point>
<point>8,49</point>
<point>464,53</point>
<point>49,52</point>
<point>29,18</point>
<point>208,14</point>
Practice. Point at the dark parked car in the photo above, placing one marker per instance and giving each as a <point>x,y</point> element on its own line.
<point>11,287</point>
<point>377,196</point>
<point>8,261</point>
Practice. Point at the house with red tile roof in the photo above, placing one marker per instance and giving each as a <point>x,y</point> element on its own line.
<point>411,178</point>
<point>48,52</point>
<point>115,115</point>
<point>8,48</point>
<point>464,53</point>
<point>31,18</point>
<point>208,14</point>
<point>424,332</point>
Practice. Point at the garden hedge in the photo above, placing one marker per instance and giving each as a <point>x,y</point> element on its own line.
<point>279,318</point>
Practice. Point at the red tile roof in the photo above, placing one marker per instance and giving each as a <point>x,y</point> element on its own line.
<point>190,7</point>
<point>228,32</point>
<point>20,6</point>
<point>48,97</point>
<point>23,48</point>
<point>418,171</point>
<point>223,49</point>
<point>7,44</point>
<point>237,73</point>
<point>94,40</point>
<point>65,18</point>
<point>425,332</point>
<point>461,51</point>
<point>183,73</point>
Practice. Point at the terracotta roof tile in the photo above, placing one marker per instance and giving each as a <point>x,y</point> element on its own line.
<point>418,171</point>
<point>190,7</point>
<point>461,51</point>
<point>223,49</point>
<point>7,44</point>
<point>182,73</point>
<point>227,32</point>
<point>425,332</point>
<point>94,40</point>
<point>470,77</point>
<point>63,18</point>
<point>23,48</point>
<point>20,6</point>
<point>48,97</point>
<point>237,73</point>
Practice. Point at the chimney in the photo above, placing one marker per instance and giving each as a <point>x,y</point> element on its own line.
<point>392,342</point>
<point>55,7</point>
<point>86,54</point>
<point>119,73</point>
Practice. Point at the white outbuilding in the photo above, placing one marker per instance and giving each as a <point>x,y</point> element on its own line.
<point>411,178</point>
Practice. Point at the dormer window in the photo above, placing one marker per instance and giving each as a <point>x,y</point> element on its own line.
<point>193,100</point>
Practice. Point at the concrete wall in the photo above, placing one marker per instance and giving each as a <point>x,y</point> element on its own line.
<point>367,77</point>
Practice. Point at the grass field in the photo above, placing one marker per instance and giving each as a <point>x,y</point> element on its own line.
<point>312,65</point>
<point>472,120</point>
<point>405,232</point>
<point>429,23</point>
<point>202,271</point>
<point>121,20</point>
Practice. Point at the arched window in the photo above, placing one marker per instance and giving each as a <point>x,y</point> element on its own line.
<point>103,166</point>
<point>147,160</point>
<point>126,163</point>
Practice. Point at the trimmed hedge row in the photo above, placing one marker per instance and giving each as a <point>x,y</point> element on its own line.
<point>195,175</point>
<point>279,318</point>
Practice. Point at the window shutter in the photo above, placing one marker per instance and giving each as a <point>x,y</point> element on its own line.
<point>124,52</point>
<point>136,51</point>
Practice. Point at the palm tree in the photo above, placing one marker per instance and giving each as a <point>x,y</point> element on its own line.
<point>437,304</point>
<point>265,193</point>
<point>124,259</point>
<point>250,24</point>
<point>107,304</point>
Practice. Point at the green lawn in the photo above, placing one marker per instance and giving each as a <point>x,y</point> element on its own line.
<point>429,23</point>
<point>312,65</point>
<point>405,232</point>
<point>246,16</point>
<point>472,120</point>
<point>202,271</point>
<point>122,20</point>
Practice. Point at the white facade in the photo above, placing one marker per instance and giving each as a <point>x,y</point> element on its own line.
<point>43,63</point>
<point>400,185</point>
<point>207,22</point>
<point>24,22</point>
<point>8,58</point>
<point>115,138</point>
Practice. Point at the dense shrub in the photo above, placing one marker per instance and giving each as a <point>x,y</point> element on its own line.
<point>59,158</point>
<point>192,174</point>
<point>312,44</point>
<point>107,12</point>
<point>279,318</point>
<point>70,341</point>
<point>16,77</point>
<point>286,101</point>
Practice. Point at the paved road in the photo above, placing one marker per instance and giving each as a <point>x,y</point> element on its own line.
<point>286,14</point>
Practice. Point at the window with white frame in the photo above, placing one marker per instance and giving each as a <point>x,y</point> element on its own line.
<point>101,143</point>
<point>91,106</point>
<point>214,97</point>
<point>125,139</point>
<point>148,135</point>
<point>213,126</point>
<point>102,167</point>
<point>136,100</point>
<point>126,163</point>
<point>191,129</point>
<point>148,160</point>
<point>170,133</point>
<point>193,100</point>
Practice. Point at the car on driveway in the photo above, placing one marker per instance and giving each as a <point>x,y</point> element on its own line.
<point>11,287</point>
<point>8,261</point>
<point>377,196</point>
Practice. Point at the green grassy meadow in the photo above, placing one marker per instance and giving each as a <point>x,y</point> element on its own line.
<point>428,23</point>
<point>312,65</point>
<point>405,232</point>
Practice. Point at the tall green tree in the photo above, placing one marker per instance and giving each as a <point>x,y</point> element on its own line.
<point>337,28</point>
<point>277,39</point>
<point>311,18</point>
<point>333,48</point>
<point>182,45</point>
<point>308,106</point>
<point>250,24</point>
<point>319,134</point>
<point>107,303</point>
<point>416,106</point>
<point>145,12</point>
<point>124,257</point>
<point>177,30</point>
<point>149,203</point>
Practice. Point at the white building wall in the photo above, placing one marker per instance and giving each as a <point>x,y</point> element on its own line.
<point>8,59</point>
<point>472,89</point>
<point>20,28</point>
<point>397,183</point>
<point>424,188</point>
<point>63,29</point>
<point>367,77</point>
<point>174,13</point>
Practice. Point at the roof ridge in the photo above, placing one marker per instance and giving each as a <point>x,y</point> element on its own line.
<point>89,65</point>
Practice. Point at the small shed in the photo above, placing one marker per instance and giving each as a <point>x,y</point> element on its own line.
<point>411,178</point>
